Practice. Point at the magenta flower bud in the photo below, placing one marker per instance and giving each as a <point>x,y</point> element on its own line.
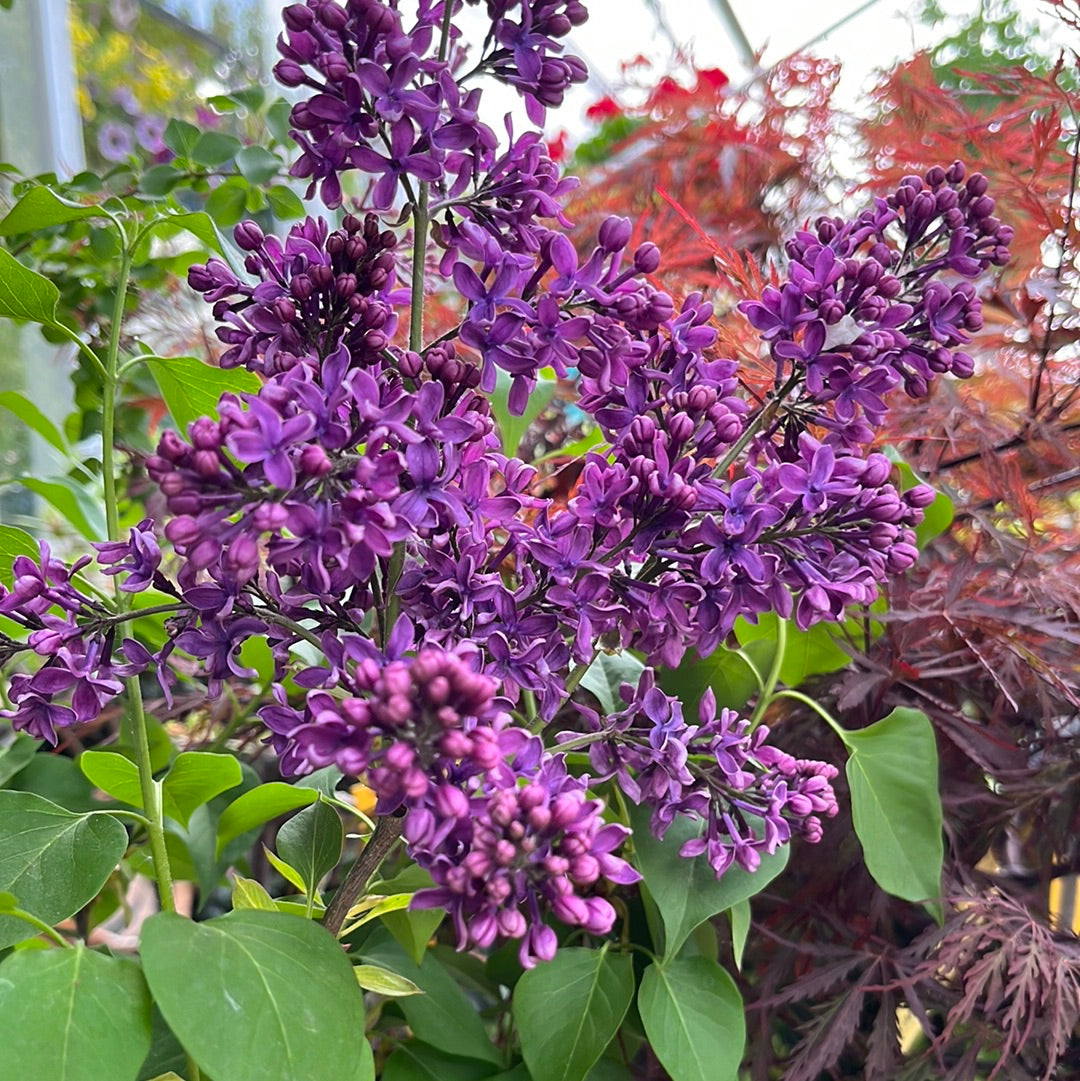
<point>314,462</point>
<point>646,258</point>
<point>206,463</point>
<point>615,233</point>
<point>270,517</point>
<point>922,495</point>
<point>248,236</point>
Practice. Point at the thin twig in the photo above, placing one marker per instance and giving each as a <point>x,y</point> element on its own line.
<point>383,838</point>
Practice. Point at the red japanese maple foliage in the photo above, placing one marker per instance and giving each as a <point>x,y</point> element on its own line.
<point>984,633</point>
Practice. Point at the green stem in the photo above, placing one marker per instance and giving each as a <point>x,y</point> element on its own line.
<point>532,720</point>
<point>136,716</point>
<point>769,686</point>
<point>819,709</point>
<point>151,797</point>
<point>760,421</point>
<point>108,403</point>
<point>746,659</point>
<point>133,815</point>
<point>578,742</point>
<point>420,231</point>
<point>41,925</point>
<point>578,674</point>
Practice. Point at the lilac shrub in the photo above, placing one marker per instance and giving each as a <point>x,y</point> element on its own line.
<point>360,504</point>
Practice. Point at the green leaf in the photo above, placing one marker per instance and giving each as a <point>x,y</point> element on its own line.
<point>373,906</point>
<point>693,1015</point>
<point>442,1016</point>
<point>166,1056</point>
<point>15,542</point>
<point>257,165</point>
<point>513,428</point>
<point>284,203</point>
<point>161,747</point>
<point>198,224</point>
<point>159,180</point>
<point>214,148</point>
<point>569,1009</point>
<point>807,653</point>
<point>687,891</point>
<point>79,508</point>
<point>196,778</point>
<point>258,996</point>
<point>287,871</point>
<point>414,928</point>
<point>56,778</point>
<point>180,137</point>
<point>895,805</point>
<point>938,516</point>
<point>248,97</point>
<point>40,208</point>
<point>258,806</point>
<point>578,449</point>
<point>16,755</point>
<point>34,419</point>
<point>247,893</point>
<point>607,674</point>
<point>936,519</point>
<point>227,204</point>
<point>97,1025</point>
<point>53,861</point>
<point>277,120</point>
<point>114,774</point>
<point>384,982</point>
<point>416,1061</point>
<point>192,389</point>
<point>323,780</point>
<point>311,842</point>
<point>740,928</point>
<point>24,294</point>
<point>728,674</point>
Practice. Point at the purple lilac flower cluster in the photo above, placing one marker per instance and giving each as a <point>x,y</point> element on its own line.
<point>360,504</point>
<point>82,662</point>
<point>389,101</point>
<point>881,300</point>
<point>505,831</point>
<point>719,772</point>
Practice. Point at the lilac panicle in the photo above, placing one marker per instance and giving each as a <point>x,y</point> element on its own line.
<point>360,502</point>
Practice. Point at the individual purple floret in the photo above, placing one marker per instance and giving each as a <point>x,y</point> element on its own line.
<point>138,558</point>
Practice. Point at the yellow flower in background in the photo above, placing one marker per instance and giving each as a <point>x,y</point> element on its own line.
<point>86,103</point>
<point>82,35</point>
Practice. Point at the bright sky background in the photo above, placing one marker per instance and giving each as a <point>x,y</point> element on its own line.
<point>619,29</point>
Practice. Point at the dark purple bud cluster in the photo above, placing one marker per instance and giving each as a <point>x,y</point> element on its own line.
<point>750,796</point>
<point>387,99</point>
<point>863,311</point>
<point>318,290</point>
